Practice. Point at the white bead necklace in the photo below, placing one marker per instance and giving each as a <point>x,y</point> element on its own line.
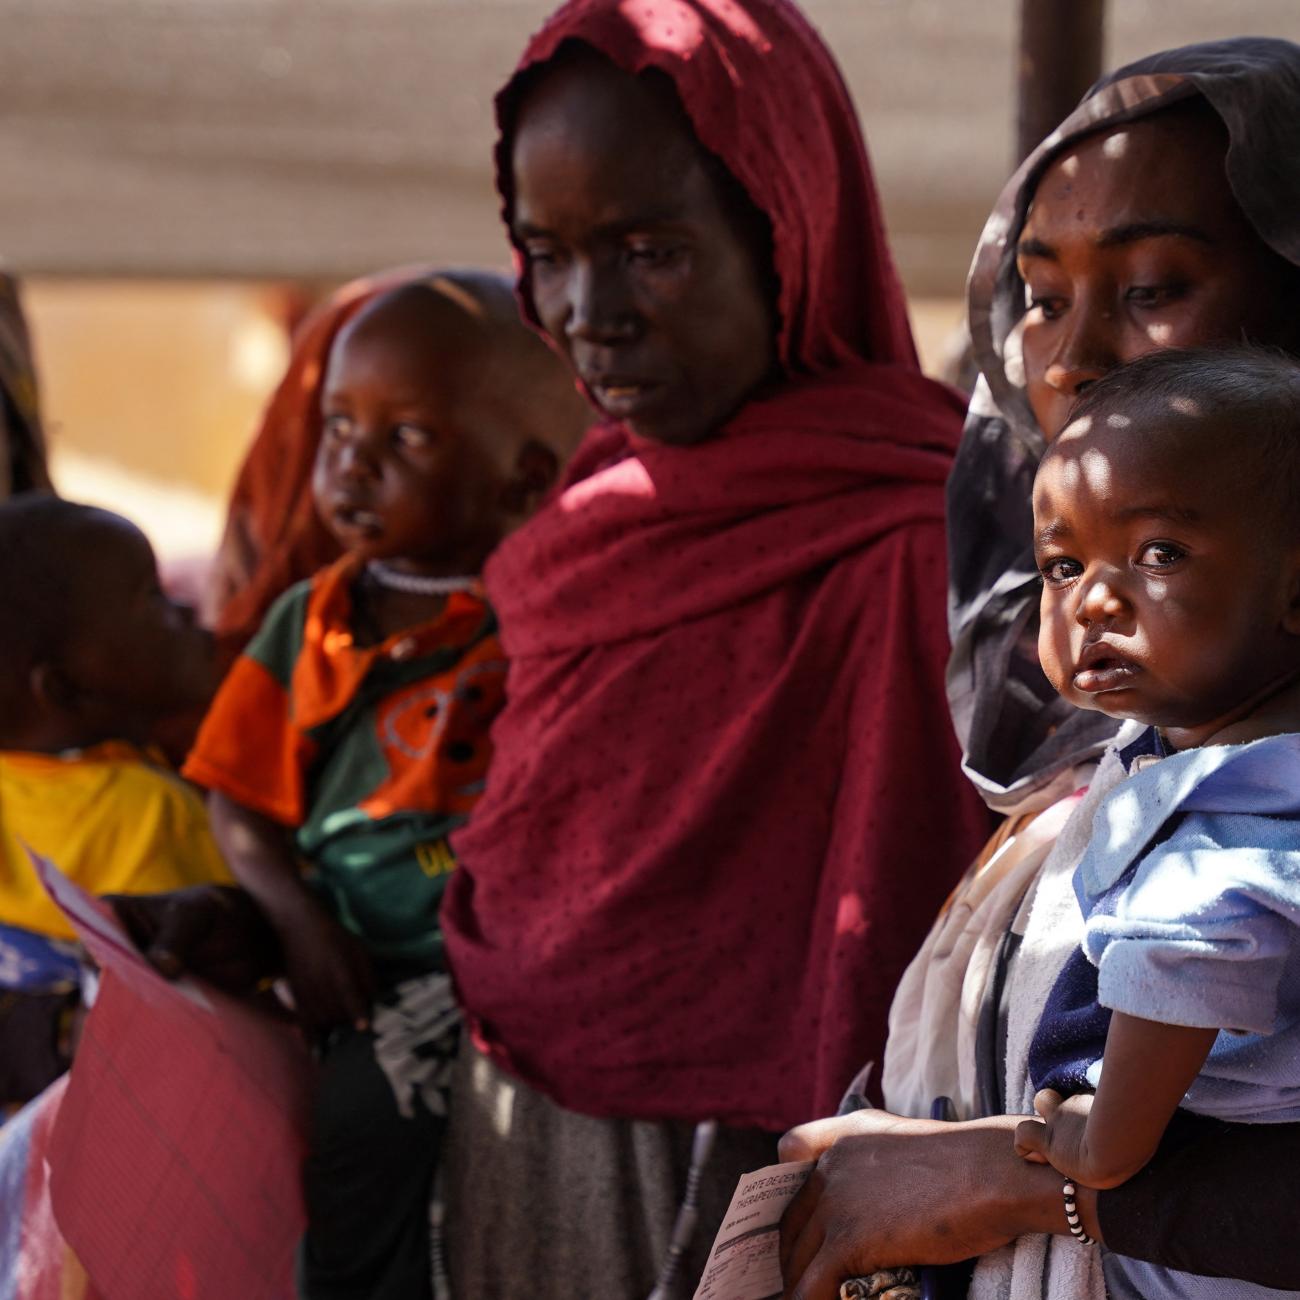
<point>415,584</point>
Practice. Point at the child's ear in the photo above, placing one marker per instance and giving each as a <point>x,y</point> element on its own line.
<point>535,470</point>
<point>51,689</point>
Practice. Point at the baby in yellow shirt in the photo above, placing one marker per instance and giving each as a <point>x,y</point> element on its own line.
<point>93,656</point>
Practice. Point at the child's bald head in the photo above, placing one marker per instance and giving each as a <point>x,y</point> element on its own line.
<point>444,421</point>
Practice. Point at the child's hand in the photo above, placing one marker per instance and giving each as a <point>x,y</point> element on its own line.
<point>329,972</point>
<point>1058,1138</point>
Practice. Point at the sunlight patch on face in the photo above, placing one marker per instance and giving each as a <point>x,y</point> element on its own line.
<point>1097,475</point>
<point>1075,430</point>
<point>1069,166</point>
<point>665,24</point>
<point>1115,146</point>
<point>1160,333</point>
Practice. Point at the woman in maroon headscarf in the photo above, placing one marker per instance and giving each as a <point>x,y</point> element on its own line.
<point>726,800</point>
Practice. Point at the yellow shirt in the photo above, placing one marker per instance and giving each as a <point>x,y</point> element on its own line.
<point>110,818</point>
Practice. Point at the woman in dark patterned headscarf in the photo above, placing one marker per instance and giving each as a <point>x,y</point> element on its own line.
<point>22,441</point>
<point>1165,211</point>
<point>1243,96</point>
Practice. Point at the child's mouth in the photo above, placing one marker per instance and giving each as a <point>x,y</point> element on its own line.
<point>1100,669</point>
<point>358,519</point>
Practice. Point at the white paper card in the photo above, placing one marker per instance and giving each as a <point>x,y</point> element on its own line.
<point>745,1262</point>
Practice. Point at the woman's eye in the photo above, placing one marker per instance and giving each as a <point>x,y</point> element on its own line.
<point>1154,295</point>
<point>541,255</point>
<point>336,426</point>
<point>1160,555</point>
<point>1060,571</point>
<point>1047,306</point>
<point>412,435</point>
<point>652,254</point>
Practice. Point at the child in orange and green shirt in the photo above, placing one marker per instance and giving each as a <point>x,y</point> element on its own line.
<point>351,738</point>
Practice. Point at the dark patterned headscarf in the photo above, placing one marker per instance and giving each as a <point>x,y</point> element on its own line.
<point>22,441</point>
<point>1022,741</point>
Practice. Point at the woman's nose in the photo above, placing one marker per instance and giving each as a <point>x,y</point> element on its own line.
<point>600,304</point>
<point>1088,348</point>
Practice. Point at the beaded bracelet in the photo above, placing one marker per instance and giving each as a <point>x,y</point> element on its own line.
<point>1072,1220</point>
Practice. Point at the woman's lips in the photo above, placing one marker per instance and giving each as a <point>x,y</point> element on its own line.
<point>623,397</point>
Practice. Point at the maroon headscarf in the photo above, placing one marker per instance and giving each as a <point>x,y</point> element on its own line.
<point>726,801</point>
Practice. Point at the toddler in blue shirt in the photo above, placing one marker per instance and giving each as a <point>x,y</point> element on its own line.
<point>1167,533</point>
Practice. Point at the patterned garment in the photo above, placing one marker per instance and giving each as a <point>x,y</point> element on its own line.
<point>373,754</point>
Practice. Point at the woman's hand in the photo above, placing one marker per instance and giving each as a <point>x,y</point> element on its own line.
<point>891,1192</point>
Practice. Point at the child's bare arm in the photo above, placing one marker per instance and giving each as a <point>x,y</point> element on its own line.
<point>328,969</point>
<point>1103,1141</point>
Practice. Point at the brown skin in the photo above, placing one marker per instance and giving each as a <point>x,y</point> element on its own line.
<point>889,1191</point>
<point>1107,289</point>
<point>132,657</point>
<point>1169,594</point>
<point>416,469</point>
<point>639,271</point>
<point>1134,242</point>
<point>1172,597</point>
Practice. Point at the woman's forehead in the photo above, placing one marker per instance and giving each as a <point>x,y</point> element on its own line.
<point>1169,166</point>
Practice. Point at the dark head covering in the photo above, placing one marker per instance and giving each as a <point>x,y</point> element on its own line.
<point>22,440</point>
<point>1022,741</point>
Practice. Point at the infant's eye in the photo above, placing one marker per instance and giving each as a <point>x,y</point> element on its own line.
<point>412,436</point>
<point>1160,555</point>
<point>336,426</point>
<point>1059,571</point>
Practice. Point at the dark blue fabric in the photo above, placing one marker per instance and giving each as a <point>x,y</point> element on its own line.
<point>1072,1031</point>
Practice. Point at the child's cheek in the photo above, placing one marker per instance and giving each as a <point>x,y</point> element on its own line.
<point>1054,640</point>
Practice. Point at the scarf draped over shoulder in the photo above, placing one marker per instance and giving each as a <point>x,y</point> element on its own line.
<point>726,801</point>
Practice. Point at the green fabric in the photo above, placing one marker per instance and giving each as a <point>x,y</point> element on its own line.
<point>383,878</point>
<point>279,640</point>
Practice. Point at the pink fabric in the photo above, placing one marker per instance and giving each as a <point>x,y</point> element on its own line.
<point>726,800</point>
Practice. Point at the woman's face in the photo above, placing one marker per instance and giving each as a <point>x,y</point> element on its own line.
<point>1134,242</point>
<point>637,268</point>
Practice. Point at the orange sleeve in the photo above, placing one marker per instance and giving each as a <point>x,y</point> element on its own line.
<point>248,747</point>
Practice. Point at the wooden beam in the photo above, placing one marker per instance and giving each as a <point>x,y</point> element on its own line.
<point>1060,57</point>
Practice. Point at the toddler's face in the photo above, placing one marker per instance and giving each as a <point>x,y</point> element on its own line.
<point>1167,584</point>
<point>138,656</point>
<point>398,474</point>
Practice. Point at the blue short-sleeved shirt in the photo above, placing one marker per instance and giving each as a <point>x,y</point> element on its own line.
<point>1190,889</point>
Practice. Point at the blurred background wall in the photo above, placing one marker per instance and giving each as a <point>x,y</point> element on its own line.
<point>185,175</point>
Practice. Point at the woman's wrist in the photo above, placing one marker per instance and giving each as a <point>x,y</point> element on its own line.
<point>1027,1197</point>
